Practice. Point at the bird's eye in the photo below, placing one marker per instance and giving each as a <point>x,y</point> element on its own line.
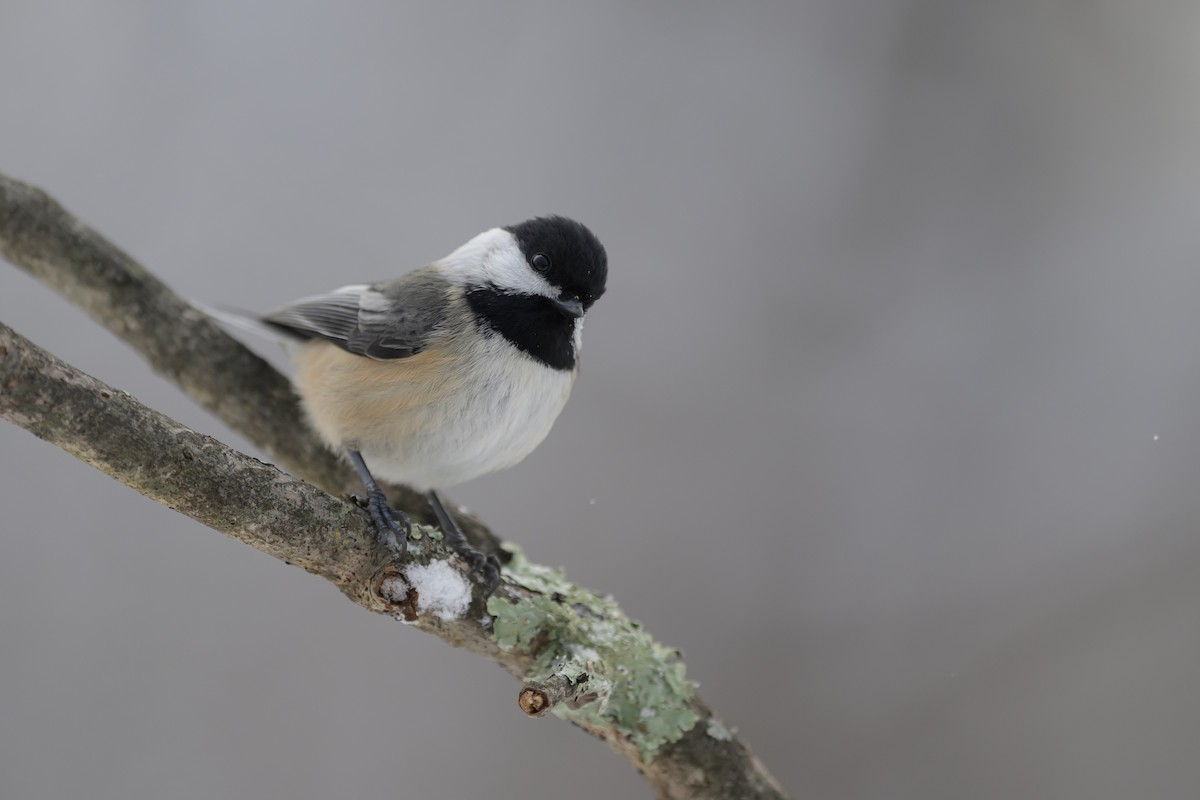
<point>541,262</point>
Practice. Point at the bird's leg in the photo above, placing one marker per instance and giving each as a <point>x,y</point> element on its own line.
<point>392,526</point>
<point>486,566</point>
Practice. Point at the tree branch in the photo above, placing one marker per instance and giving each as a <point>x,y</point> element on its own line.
<point>184,470</point>
<point>182,344</point>
<point>591,663</point>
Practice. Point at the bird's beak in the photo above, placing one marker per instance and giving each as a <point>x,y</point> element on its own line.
<point>568,306</point>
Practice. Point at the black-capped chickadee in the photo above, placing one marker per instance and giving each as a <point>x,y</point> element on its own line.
<point>450,372</point>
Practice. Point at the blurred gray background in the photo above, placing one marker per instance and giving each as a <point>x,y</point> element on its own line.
<point>890,418</point>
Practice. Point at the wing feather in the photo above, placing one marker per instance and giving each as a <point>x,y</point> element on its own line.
<point>380,321</point>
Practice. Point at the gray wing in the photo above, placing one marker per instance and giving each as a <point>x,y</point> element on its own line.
<point>381,321</point>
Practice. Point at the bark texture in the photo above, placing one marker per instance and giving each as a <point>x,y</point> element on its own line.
<point>182,344</point>
<point>269,510</point>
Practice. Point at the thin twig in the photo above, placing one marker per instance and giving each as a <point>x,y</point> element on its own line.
<point>538,698</point>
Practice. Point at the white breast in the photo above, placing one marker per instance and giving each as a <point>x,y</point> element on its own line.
<point>501,410</point>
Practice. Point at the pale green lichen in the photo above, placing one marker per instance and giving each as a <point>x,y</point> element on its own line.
<point>420,537</point>
<point>641,686</point>
<point>718,731</point>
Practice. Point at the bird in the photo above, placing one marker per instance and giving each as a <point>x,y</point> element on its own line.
<point>449,372</point>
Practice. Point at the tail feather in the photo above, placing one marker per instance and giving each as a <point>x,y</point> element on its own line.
<point>246,321</point>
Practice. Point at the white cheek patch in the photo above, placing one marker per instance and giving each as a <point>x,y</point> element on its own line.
<point>465,265</point>
<point>507,269</point>
<point>495,257</point>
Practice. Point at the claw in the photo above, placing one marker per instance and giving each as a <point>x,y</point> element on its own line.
<point>391,526</point>
<point>487,567</point>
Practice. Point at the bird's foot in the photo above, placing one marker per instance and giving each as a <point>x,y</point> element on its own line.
<point>391,525</point>
<point>485,567</point>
